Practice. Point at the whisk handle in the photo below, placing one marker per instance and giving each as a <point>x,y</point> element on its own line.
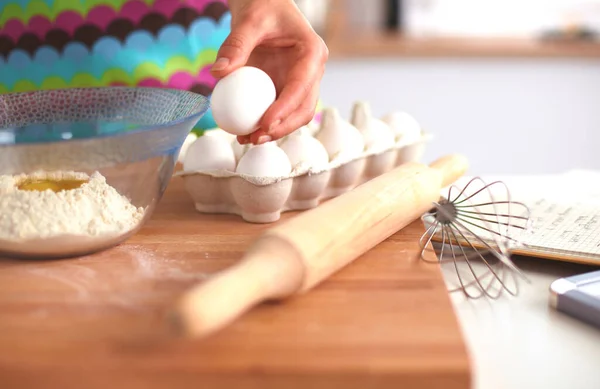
<point>451,167</point>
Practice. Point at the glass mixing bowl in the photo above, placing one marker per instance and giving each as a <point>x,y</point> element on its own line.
<point>131,136</point>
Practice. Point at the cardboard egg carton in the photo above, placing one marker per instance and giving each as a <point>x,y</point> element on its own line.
<point>262,199</point>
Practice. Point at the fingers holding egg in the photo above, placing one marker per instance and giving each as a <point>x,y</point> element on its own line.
<point>240,99</point>
<point>300,117</point>
<point>245,104</point>
<point>296,104</point>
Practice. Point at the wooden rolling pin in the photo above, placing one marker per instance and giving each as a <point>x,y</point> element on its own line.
<point>299,253</point>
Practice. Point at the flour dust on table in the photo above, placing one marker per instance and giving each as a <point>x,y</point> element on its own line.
<point>57,205</point>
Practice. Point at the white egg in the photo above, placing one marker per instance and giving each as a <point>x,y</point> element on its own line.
<point>240,99</point>
<point>342,140</point>
<point>313,127</point>
<point>304,150</point>
<point>304,130</point>
<point>239,150</point>
<point>378,135</point>
<point>405,127</point>
<point>265,160</point>
<point>219,132</point>
<point>209,153</point>
<point>191,138</point>
<point>281,140</point>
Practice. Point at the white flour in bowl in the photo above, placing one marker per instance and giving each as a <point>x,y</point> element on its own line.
<point>93,209</point>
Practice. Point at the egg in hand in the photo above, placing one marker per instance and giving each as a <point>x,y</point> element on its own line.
<point>240,99</point>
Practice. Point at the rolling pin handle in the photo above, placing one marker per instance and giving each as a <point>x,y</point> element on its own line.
<point>272,269</point>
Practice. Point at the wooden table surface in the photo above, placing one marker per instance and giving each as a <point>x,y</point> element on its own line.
<point>385,321</point>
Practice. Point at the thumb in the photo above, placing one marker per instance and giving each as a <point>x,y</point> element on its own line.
<point>235,50</point>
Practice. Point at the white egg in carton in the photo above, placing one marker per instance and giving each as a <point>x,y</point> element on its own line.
<point>315,163</point>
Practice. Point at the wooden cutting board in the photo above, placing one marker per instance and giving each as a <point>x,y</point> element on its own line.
<point>385,321</point>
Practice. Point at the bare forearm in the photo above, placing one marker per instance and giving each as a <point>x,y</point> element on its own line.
<point>236,6</point>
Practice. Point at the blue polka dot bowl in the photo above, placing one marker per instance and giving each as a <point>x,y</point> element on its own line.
<point>130,137</point>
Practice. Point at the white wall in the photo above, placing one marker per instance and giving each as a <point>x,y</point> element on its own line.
<point>513,116</point>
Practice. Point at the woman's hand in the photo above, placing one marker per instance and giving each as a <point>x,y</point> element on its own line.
<point>274,36</point>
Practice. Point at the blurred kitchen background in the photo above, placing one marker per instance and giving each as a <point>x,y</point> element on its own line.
<point>513,84</point>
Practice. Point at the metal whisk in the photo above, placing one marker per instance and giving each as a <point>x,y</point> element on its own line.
<point>477,230</point>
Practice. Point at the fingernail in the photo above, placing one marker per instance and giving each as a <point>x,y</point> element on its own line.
<point>220,64</point>
<point>264,139</point>
<point>274,125</point>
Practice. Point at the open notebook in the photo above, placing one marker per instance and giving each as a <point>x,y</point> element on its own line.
<point>564,211</point>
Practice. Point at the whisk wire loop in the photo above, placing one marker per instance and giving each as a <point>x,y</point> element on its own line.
<point>477,226</point>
